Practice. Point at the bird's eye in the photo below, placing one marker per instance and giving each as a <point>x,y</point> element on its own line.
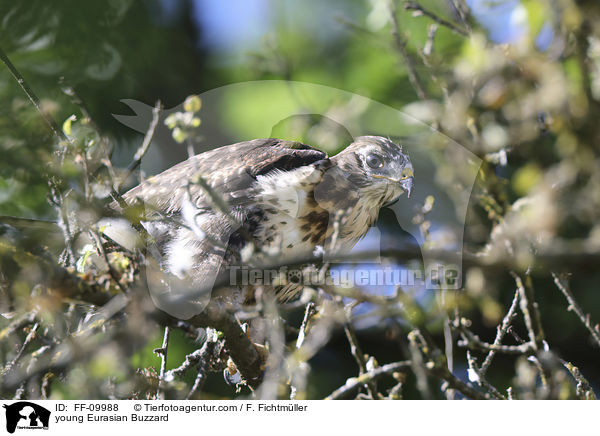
<point>374,161</point>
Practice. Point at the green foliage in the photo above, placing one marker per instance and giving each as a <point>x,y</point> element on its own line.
<point>530,115</point>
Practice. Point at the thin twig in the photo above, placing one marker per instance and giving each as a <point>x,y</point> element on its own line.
<point>200,357</point>
<point>30,336</point>
<point>428,47</point>
<point>563,286</point>
<point>102,253</point>
<point>56,199</point>
<point>198,381</point>
<point>163,364</point>
<point>438,367</point>
<point>396,392</point>
<point>356,351</point>
<point>205,358</point>
<point>501,332</point>
<point>481,380</point>
<point>353,384</point>
<point>141,152</point>
<point>448,342</point>
<point>420,10</point>
<point>584,390</point>
<point>533,322</point>
<point>18,322</point>
<point>60,353</point>
<point>530,311</point>
<point>308,313</point>
<point>32,97</point>
<point>400,45</point>
<point>460,13</point>
<point>69,91</point>
<point>453,382</point>
<point>473,342</point>
<point>418,366</point>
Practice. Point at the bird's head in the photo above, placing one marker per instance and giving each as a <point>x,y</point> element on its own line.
<point>378,167</point>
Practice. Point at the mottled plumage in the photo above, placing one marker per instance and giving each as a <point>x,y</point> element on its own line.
<point>267,199</point>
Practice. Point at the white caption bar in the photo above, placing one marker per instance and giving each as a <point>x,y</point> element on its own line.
<point>299,417</point>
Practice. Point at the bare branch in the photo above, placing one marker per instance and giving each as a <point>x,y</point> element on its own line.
<point>501,332</point>
<point>141,152</point>
<point>481,380</point>
<point>420,10</point>
<point>162,352</point>
<point>356,351</point>
<point>473,342</point>
<point>30,337</point>
<point>400,45</point>
<point>584,390</point>
<point>530,311</point>
<point>32,97</point>
<point>353,384</point>
<point>102,253</point>
<point>563,286</point>
<point>437,365</point>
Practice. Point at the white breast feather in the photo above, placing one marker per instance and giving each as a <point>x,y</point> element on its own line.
<point>285,193</point>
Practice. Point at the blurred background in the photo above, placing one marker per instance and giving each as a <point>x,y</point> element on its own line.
<point>516,84</point>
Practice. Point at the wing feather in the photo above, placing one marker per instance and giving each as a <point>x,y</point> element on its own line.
<point>196,249</point>
<point>230,171</point>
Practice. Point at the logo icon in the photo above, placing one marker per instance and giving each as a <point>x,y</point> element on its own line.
<point>26,415</point>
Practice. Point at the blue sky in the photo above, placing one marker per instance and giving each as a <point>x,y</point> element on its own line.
<point>233,25</point>
<point>506,21</point>
<point>239,26</point>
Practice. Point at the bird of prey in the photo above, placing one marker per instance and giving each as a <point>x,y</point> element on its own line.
<point>267,199</point>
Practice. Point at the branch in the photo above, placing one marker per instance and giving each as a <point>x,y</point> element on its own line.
<point>17,323</point>
<point>162,352</point>
<point>61,281</point>
<point>309,311</point>
<point>501,332</point>
<point>420,10</point>
<point>191,360</point>
<point>481,380</point>
<point>238,345</point>
<point>530,311</point>
<point>460,13</point>
<point>359,356</point>
<point>353,384</point>
<point>437,365</point>
<point>32,97</point>
<point>56,199</point>
<point>77,345</point>
<point>204,357</point>
<point>400,44</point>
<point>102,253</point>
<point>30,337</point>
<point>563,286</point>
<point>141,152</point>
<point>443,373</point>
<point>583,388</point>
<point>473,342</point>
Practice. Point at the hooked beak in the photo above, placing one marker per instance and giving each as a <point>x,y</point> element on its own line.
<point>405,182</point>
<point>407,185</point>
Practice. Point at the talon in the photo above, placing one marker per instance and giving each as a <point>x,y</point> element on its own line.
<point>231,374</point>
